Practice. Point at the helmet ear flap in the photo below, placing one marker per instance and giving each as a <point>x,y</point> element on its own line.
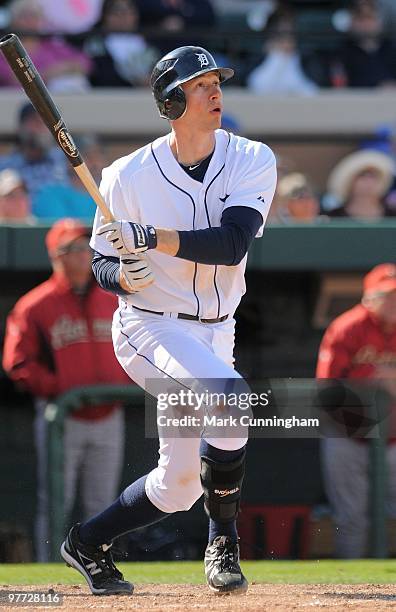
<point>175,104</point>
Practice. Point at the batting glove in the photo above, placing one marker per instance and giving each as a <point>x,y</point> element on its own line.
<point>127,237</point>
<point>135,273</point>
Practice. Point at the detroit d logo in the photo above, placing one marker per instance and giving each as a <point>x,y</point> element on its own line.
<point>203,60</point>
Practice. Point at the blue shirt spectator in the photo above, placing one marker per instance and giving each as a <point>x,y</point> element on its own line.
<point>35,160</point>
<point>57,201</point>
<point>50,168</point>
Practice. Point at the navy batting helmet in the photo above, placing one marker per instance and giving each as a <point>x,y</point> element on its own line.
<point>176,68</point>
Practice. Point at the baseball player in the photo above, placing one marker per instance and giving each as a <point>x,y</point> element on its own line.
<point>192,202</point>
<point>58,338</point>
<point>360,344</point>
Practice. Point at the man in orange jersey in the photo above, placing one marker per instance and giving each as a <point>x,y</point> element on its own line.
<point>58,337</point>
<point>361,343</point>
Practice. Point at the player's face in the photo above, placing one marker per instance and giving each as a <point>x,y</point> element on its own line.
<point>75,261</point>
<point>204,101</point>
<point>388,308</point>
<point>384,306</point>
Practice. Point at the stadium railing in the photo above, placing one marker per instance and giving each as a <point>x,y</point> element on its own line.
<point>57,411</point>
<point>55,414</point>
<point>335,245</point>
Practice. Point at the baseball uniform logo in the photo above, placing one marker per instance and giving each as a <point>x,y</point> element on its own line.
<point>225,492</point>
<point>141,239</point>
<point>203,60</point>
<point>66,331</point>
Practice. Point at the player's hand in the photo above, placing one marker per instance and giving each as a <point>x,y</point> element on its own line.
<point>135,273</point>
<point>127,237</point>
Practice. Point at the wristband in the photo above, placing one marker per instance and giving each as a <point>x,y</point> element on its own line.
<point>151,237</point>
<point>144,236</point>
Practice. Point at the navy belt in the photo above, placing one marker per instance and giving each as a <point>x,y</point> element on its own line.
<point>187,317</point>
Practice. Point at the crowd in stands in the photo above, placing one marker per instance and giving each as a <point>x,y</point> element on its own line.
<point>37,183</point>
<point>114,43</point>
<point>62,66</point>
<point>361,186</point>
<point>278,46</point>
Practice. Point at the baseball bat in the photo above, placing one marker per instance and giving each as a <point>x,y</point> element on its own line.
<point>27,74</point>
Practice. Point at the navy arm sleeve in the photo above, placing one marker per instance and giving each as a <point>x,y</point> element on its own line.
<point>226,245</point>
<point>106,270</point>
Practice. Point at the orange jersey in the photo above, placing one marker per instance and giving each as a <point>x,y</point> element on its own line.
<point>354,345</point>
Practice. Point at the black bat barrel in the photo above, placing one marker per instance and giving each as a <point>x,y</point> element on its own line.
<point>27,74</point>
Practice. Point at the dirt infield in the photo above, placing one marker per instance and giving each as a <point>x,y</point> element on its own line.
<point>260,597</point>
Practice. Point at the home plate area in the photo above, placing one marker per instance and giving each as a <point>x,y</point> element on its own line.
<point>181,597</point>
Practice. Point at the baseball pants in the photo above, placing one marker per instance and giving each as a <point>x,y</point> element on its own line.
<point>346,471</point>
<point>93,453</point>
<point>150,346</point>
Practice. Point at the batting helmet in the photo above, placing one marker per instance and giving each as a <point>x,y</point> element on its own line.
<point>175,68</point>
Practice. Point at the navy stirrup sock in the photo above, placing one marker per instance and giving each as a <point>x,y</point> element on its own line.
<point>131,510</point>
<point>223,456</point>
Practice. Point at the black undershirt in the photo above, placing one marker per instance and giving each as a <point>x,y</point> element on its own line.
<point>198,171</point>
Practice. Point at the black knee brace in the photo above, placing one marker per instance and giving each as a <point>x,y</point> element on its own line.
<point>221,483</point>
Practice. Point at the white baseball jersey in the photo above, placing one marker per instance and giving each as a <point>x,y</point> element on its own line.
<point>149,187</point>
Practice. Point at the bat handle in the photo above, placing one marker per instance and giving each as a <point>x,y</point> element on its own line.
<point>92,188</point>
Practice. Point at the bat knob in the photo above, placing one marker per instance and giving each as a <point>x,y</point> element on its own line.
<point>8,39</point>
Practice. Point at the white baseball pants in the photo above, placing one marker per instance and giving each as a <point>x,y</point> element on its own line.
<point>150,346</point>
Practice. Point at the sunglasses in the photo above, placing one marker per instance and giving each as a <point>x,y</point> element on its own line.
<point>74,248</point>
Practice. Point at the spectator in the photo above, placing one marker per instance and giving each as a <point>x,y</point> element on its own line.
<point>69,16</point>
<point>35,159</point>
<point>388,14</point>
<point>176,17</point>
<point>384,140</point>
<point>296,201</point>
<point>284,166</point>
<point>15,204</point>
<point>121,56</point>
<point>281,71</point>
<point>357,185</point>
<point>57,338</point>
<point>368,58</point>
<point>62,67</point>
<point>58,200</point>
<point>359,344</point>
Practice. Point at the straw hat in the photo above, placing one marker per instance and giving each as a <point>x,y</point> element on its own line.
<point>9,180</point>
<point>293,185</point>
<point>344,173</point>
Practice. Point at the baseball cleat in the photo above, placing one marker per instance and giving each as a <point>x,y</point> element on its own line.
<point>222,569</point>
<point>95,563</point>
